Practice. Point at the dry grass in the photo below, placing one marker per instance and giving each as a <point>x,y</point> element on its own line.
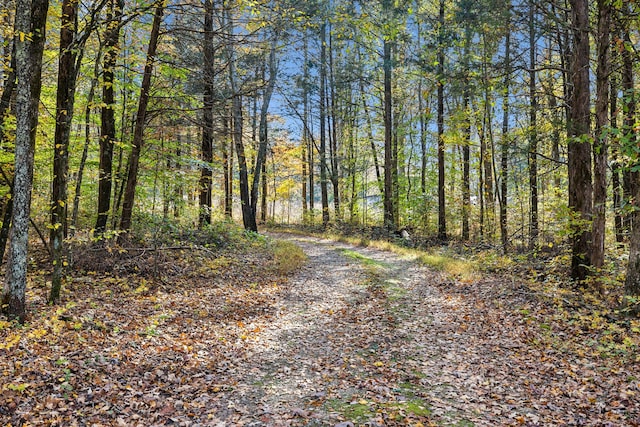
<point>288,257</point>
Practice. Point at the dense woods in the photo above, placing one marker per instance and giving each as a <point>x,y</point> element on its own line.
<point>501,122</point>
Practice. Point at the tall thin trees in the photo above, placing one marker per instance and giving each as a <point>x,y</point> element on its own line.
<point>138,133</point>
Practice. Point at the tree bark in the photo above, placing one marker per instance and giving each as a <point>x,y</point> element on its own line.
<point>65,98</point>
<point>533,133</point>
<point>442,217</point>
<point>108,121</point>
<point>616,182</point>
<point>261,158</point>
<point>206,173</point>
<point>333,145</point>
<point>227,163</point>
<point>323,134</point>
<point>85,149</point>
<point>5,103</point>
<point>138,133</point>
<point>389,217</point>
<point>630,178</point>
<point>248,214</point>
<point>466,146</point>
<point>31,19</point>
<point>600,146</point>
<point>579,150</point>
<point>504,155</point>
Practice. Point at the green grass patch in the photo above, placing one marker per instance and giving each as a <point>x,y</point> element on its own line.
<point>416,407</point>
<point>353,411</point>
<point>366,261</point>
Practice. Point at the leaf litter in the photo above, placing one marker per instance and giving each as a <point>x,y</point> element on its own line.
<point>372,339</point>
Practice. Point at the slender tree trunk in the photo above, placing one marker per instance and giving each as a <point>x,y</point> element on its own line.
<point>481,194</point>
<point>138,133</point>
<point>6,222</point>
<point>488,155</point>
<point>108,122</point>
<point>374,149</point>
<point>630,177</point>
<point>248,214</point>
<point>555,135</point>
<point>616,182</point>
<point>579,150</point>
<point>64,115</point>
<point>206,173</point>
<point>227,166</point>
<point>261,158</point>
<point>533,132</point>
<point>600,147</point>
<point>305,137</point>
<point>263,193</point>
<point>5,103</point>
<point>466,146</point>
<point>85,149</point>
<point>323,136</point>
<point>422,118</point>
<point>312,188</point>
<point>396,148</point>
<point>389,219</point>
<point>31,19</point>
<point>442,217</point>
<point>504,156</point>
<point>333,145</point>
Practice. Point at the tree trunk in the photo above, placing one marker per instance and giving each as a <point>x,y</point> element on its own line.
<point>206,173</point>
<point>108,121</point>
<point>466,146</point>
<point>504,155</point>
<point>616,182</point>
<point>305,133</point>
<point>488,155</point>
<point>372,142</point>
<point>630,177</point>
<point>323,136</point>
<point>389,219</point>
<point>442,217</point>
<point>64,115</point>
<point>533,133</point>
<point>227,164</point>
<point>31,19</point>
<point>263,194</point>
<point>248,214</point>
<point>85,149</point>
<point>5,103</point>
<point>579,150</point>
<point>138,133</point>
<point>261,158</point>
<point>600,147</point>
<point>333,145</point>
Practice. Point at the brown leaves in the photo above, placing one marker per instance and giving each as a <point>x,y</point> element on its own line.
<point>127,350</point>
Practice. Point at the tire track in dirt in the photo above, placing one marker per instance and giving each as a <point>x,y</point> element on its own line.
<point>404,346</point>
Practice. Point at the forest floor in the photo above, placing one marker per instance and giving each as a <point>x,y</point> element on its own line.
<point>356,336</point>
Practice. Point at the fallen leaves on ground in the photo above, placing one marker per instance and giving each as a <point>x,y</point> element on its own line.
<point>221,340</point>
